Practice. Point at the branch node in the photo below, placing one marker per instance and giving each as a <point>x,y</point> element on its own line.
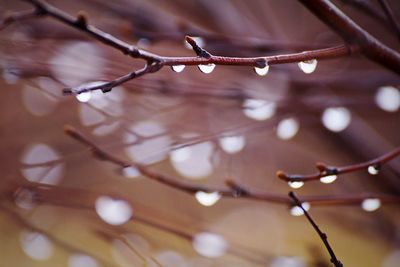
<point>237,190</point>
<point>82,19</point>
<point>322,167</point>
<point>282,175</point>
<point>196,48</point>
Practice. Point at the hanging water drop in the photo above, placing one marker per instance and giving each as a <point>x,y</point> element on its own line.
<point>308,66</point>
<point>262,71</point>
<point>328,179</point>
<point>373,170</point>
<point>178,68</point>
<point>206,68</point>
<point>296,185</point>
<point>84,97</point>
<point>297,211</point>
<point>207,199</point>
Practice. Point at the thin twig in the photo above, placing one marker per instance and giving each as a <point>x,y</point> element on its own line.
<point>321,234</point>
<point>235,190</point>
<point>390,16</point>
<point>324,170</point>
<point>9,18</point>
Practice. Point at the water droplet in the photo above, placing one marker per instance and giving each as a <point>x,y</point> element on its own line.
<point>178,68</point>
<point>328,179</point>
<point>259,109</point>
<point>114,212</point>
<point>288,261</point>
<point>36,245</point>
<point>373,170</point>
<point>232,144</point>
<point>295,185</point>
<point>79,260</point>
<point>336,119</point>
<point>371,204</point>
<point>206,68</point>
<point>297,211</point>
<point>84,97</point>
<point>308,66</point>
<point>24,198</point>
<point>207,199</point>
<point>287,128</point>
<point>210,245</point>
<point>130,172</point>
<point>388,98</point>
<point>262,71</point>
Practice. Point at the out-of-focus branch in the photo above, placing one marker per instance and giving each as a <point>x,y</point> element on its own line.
<point>156,62</point>
<point>18,219</point>
<point>390,16</point>
<point>11,17</point>
<point>351,32</point>
<point>324,170</point>
<point>321,234</point>
<point>235,190</point>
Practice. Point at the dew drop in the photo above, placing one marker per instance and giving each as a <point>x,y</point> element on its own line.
<point>207,199</point>
<point>262,71</point>
<point>388,98</point>
<point>113,211</point>
<point>328,179</point>
<point>297,211</point>
<point>207,68</point>
<point>295,185</point>
<point>232,144</point>
<point>308,66</point>
<point>287,128</point>
<point>210,245</point>
<point>178,68</point>
<point>371,204</point>
<point>336,119</point>
<point>84,97</point>
<point>373,170</point>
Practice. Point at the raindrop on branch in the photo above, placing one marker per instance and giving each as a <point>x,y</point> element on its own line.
<point>287,128</point>
<point>84,97</point>
<point>388,98</point>
<point>328,179</point>
<point>207,68</point>
<point>371,204</point>
<point>373,170</point>
<point>210,245</point>
<point>178,68</point>
<point>262,71</point>
<point>232,144</point>
<point>112,211</point>
<point>308,66</point>
<point>297,211</point>
<point>336,119</point>
<point>207,199</point>
<point>295,184</point>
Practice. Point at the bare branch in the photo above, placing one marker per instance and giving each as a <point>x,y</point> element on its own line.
<point>390,16</point>
<point>353,33</point>
<point>324,170</point>
<point>235,190</point>
<point>321,234</point>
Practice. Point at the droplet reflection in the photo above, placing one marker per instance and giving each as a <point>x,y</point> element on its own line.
<point>207,68</point>
<point>308,66</point>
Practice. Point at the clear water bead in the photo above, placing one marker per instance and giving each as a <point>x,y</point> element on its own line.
<point>262,71</point>
<point>207,68</point>
<point>178,68</point>
<point>295,185</point>
<point>373,170</point>
<point>371,204</point>
<point>328,179</point>
<point>308,66</point>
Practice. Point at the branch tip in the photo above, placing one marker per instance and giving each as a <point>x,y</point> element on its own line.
<point>282,175</point>
<point>82,19</point>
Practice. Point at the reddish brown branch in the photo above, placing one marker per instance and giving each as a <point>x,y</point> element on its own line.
<point>321,234</point>
<point>353,33</point>
<point>157,61</point>
<point>324,170</point>
<point>234,191</point>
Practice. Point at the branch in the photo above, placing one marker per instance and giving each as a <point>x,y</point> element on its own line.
<point>203,56</point>
<point>390,16</point>
<point>10,18</point>
<point>235,190</point>
<point>321,234</point>
<point>353,33</point>
<point>324,170</point>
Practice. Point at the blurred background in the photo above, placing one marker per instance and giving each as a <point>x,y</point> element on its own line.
<point>61,206</point>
